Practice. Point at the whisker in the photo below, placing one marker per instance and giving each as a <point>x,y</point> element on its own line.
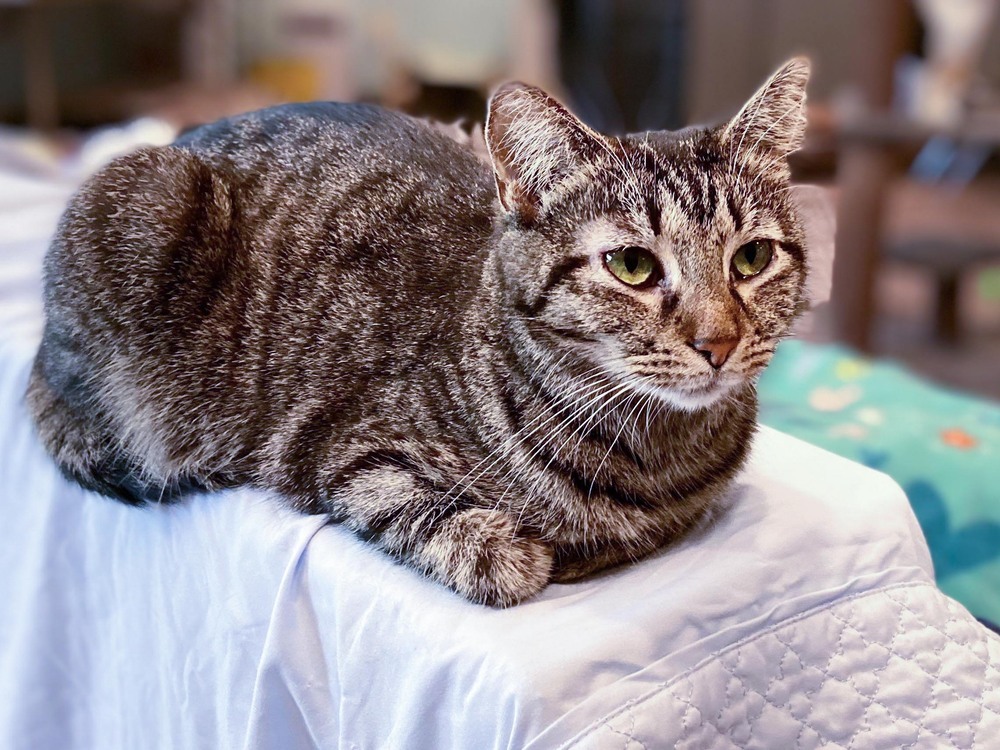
<point>606,395</point>
<point>540,475</point>
<point>536,424</point>
<point>532,489</point>
<point>625,421</point>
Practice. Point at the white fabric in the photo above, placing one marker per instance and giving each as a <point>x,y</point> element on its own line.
<point>901,666</point>
<point>806,615</point>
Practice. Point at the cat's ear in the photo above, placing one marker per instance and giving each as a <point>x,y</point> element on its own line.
<point>774,120</point>
<point>534,143</point>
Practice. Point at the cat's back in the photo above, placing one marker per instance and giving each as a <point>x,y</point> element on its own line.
<point>350,208</point>
<point>342,139</point>
<point>356,180</point>
<point>257,200</point>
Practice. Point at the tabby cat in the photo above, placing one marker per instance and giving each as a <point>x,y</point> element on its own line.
<point>503,371</point>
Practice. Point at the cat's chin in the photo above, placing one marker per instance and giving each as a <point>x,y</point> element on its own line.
<point>695,400</point>
<point>692,399</point>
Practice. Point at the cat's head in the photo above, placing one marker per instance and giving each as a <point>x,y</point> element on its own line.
<point>676,260</point>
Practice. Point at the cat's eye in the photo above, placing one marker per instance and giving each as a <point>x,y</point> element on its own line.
<point>633,266</point>
<point>752,258</point>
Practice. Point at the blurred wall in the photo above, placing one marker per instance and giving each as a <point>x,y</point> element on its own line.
<point>455,42</point>
<point>731,45</point>
<point>735,44</point>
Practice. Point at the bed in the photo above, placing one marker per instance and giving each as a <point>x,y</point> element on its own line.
<point>806,616</point>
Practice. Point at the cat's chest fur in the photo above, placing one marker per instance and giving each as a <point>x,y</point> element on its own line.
<point>585,471</point>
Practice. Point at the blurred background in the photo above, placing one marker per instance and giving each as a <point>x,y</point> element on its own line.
<point>901,370</point>
<point>904,109</point>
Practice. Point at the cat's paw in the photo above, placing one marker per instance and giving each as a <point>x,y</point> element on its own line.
<point>477,553</point>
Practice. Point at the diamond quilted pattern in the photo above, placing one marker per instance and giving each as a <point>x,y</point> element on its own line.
<point>899,667</point>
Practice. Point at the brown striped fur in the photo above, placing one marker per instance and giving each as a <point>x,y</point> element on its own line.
<point>330,301</point>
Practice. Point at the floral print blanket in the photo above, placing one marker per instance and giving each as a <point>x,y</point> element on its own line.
<point>942,447</point>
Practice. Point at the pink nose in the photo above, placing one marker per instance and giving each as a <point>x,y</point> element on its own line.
<point>716,351</point>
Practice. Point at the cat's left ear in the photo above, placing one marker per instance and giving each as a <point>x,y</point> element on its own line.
<point>534,143</point>
<point>774,120</point>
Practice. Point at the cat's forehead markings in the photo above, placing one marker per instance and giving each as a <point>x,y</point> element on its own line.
<point>605,233</point>
<point>674,206</point>
<point>735,212</point>
<point>757,224</point>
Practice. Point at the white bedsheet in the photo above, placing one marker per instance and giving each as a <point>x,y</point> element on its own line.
<point>806,617</point>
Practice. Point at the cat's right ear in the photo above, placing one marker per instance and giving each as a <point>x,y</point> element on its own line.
<point>535,143</point>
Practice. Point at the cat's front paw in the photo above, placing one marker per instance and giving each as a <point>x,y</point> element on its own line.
<point>477,553</point>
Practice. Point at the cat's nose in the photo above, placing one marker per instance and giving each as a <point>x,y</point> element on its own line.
<point>716,351</point>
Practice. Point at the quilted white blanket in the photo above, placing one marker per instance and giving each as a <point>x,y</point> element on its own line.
<point>807,616</point>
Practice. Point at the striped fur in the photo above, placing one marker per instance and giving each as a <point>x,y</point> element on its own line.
<point>329,301</point>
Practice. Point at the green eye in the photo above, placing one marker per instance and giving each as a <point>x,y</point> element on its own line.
<point>633,266</point>
<point>752,258</point>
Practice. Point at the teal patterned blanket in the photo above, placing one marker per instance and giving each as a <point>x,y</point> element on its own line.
<point>943,448</point>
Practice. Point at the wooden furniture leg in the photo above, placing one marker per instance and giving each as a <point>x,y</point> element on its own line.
<point>863,173</point>
<point>946,322</point>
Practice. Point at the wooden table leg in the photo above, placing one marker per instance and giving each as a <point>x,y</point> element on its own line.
<point>864,171</point>
<point>863,176</point>
<point>947,322</point>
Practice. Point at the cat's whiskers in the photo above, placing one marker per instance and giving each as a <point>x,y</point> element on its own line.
<point>586,414</point>
<point>649,419</point>
<point>643,427</point>
<point>633,428</point>
<point>540,476</point>
<point>535,424</point>
<point>519,437</point>
<point>605,396</point>
<point>514,461</point>
<point>626,385</point>
<point>596,416</point>
<point>586,532</point>
<point>580,430</point>
<point>581,433</point>
<point>611,447</point>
